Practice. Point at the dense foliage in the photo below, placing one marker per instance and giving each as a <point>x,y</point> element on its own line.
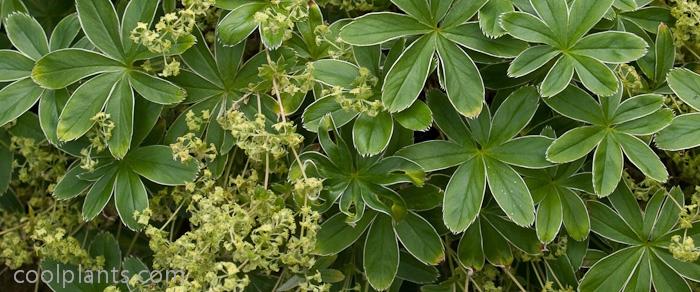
<point>333,145</point>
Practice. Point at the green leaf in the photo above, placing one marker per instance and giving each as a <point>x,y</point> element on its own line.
<point>461,11</point>
<point>238,24</point>
<point>470,250</point>
<point>54,267</point>
<point>664,53</point>
<point>156,163</point>
<point>64,67</point>
<point>626,5</point>
<point>99,194</point>
<point>100,24</point>
<point>381,254</point>
<point>463,83</point>
<point>14,66</point>
<point>611,47</point>
<point>576,104</point>
<point>583,15</point>
<point>607,166</point>
<point>555,14</point>
<point>665,278</point>
<point>531,59</point>
<point>17,98</point>
<point>418,9</point>
<point>683,133</point>
<point>464,195</point>
<point>595,76</point>
<point>85,103</point>
<point>420,239</point>
<point>647,125</point>
<point>229,60</point>
<point>411,269</point>
<point>315,112</point>
<point>133,266</point>
<point>336,234</point>
<point>637,107</point>
<point>510,192</point>
<point>436,154</point>
<point>612,272</point>
<point>489,16</point>
<point>422,198</point>
<point>65,32</point>
<point>688,270</point>
<point>558,77</point>
<point>575,144</point>
<point>135,12</point>
<point>146,115</point>
<point>106,246</point>
<point>27,35</point>
<point>642,157</point>
<point>120,108</point>
<point>406,78</point>
<point>608,224</point>
<point>155,89</point>
<point>417,117</point>
<point>627,207</point>
<point>336,73</point>
<point>686,85</point>
<point>469,35</point>
<point>129,196</point>
<point>447,119</point>
<point>376,28</point>
<point>528,28</point>
<point>575,216</point>
<point>523,238</point>
<point>70,186</point>
<point>371,135</point>
<point>513,115</point>
<point>668,216</point>
<point>496,247</point>
<point>528,152</point>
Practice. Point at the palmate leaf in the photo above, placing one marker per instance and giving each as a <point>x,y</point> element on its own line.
<point>614,129</point>
<point>122,180</point>
<point>643,260</point>
<point>563,28</point>
<point>466,188</point>
<point>116,79</point>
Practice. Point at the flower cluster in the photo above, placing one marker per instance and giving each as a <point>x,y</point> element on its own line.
<point>44,235</point>
<point>236,230</point>
<point>359,98</point>
<point>642,190</point>
<point>37,164</point>
<point>288,83</point>
<point>685,33</point>
<point>256,138</point>
<point>278,19</point>
<point>631,80</point>
<point>98,136</point>
<point>683,248</point>
<point>170,30</point>
<point>192,147</point>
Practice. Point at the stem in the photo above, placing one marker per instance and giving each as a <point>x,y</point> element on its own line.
<point>553,274</point>
<point>133,242</point>
<point>514,279</point>
<point>173,216</point>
